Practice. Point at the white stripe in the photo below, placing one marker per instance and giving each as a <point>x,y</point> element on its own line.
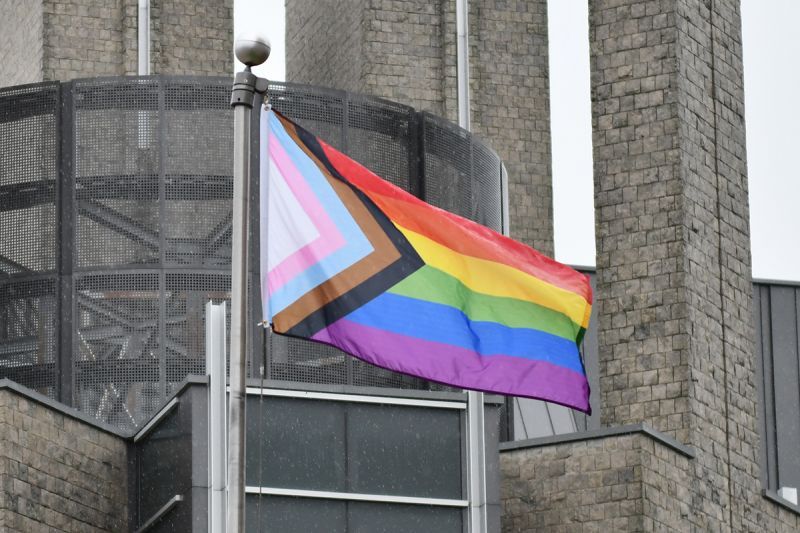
<point>290,227</point>
<point>382,498</point>
<point>357,398</point>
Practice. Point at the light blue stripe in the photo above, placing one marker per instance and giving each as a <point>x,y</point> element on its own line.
<point>445,324</point>
<point>356,247</point>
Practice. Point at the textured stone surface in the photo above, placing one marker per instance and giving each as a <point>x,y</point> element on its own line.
<point>324,43</point>
<point>510,97</point>
<point>673,298</point>
<point>20,42</point>
<point>192,38</point>
<point>58,473</point>
<point>87,38</point>
<point>406,51</point>
<point>618,483</point>
<point>82,38</point>
<point>624,482</point>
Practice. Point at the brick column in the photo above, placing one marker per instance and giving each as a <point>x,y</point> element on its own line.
<point>510,83</point>
<point>406,52</point>
<point>66,39</point>
<point>674,282</point>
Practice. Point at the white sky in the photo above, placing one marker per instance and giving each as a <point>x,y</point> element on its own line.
<point>771,51</point>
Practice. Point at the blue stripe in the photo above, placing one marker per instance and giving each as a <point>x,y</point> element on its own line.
<point>356,247</point>
<point>442,323</point>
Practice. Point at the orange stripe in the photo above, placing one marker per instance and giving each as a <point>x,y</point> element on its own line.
<point>457,233</point>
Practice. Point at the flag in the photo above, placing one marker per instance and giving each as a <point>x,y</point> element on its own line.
<point>350,260</point>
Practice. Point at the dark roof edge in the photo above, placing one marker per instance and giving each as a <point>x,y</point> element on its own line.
<point>784,282</point>
<point>601,433</point>
<point>32,395</point>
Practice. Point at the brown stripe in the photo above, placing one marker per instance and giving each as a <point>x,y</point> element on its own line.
<point>384,253</point>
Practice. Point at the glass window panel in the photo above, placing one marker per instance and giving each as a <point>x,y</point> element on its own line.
<point>294,443</point>
<point>367,517</point>
<point>404,451</point>
<point>278,514</point>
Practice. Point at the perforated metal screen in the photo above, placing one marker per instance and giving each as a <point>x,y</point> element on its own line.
<point>29,144</point>
<point>115,209</point>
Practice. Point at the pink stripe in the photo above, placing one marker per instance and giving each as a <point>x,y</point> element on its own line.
<point>329,240</point>
<point>459,367</point>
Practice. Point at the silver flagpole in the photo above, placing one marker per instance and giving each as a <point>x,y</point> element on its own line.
<point>252,51</point>
<point>476,445</point>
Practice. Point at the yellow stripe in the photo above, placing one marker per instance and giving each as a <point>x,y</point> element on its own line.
<point>497,279</point>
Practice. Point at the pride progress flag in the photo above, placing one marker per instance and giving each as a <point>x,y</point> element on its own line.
<point>350,260</point>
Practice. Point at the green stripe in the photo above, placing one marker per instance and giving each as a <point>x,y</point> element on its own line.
<point>433,285</point>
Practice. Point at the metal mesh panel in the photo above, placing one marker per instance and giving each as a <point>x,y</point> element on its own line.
<point>144,236</point>
<point>185,322</point>
<point>27,334</point>
<point>320,111</point>
<point>373,376</point>
<point>117,363</point>
<point>198,166</point>
<point>487,205</point>
<point>117,158</point>
<point>28,150</point>
<point>382,137</point>
<point>448,165</point>
<point>305,361</point>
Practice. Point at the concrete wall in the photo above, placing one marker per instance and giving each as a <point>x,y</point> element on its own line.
<point>406,52</point>
<point>20,42</point>
<point>57,472</point>
<point>624,480</point>
<point>618,479</point>
<point>85,38</point>
<point>327,48</point>
<point>192,37</point>
<point>673,301</point>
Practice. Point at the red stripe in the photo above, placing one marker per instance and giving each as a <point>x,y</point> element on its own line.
<point>457,233</point>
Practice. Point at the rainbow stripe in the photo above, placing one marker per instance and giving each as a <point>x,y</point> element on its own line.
<point>353,261</point>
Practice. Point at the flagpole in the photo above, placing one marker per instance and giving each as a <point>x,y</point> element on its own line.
<point>252,51</point>
<point>476,443</point>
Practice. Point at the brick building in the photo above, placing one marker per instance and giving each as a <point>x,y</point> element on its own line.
<point>45,40</point>
<point>683,377</point>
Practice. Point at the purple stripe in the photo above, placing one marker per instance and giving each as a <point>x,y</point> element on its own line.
<point>459,367</point>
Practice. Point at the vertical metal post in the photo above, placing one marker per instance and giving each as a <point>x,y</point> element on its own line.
<point>242,101</point>
<point>215,369</point>
<point>462,63</point>
<point>476,448</point>
<point>144,38</point>
<point>476,451</point>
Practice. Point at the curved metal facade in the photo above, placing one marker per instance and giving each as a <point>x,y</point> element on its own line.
<point>115,218</point>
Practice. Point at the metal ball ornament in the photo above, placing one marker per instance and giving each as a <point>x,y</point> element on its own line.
<point>252,49</point>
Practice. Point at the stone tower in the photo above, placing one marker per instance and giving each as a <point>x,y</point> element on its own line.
<point>44,40</point>
<point>674,286</point>
<point>407,53</point>
<point>679,443</point>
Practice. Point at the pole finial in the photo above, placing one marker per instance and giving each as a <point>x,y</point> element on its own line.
<point>252,48</point>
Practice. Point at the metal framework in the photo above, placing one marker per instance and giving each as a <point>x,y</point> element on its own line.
<point>115,229</point>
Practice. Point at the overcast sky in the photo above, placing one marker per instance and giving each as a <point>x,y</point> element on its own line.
<point>771,52</point>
